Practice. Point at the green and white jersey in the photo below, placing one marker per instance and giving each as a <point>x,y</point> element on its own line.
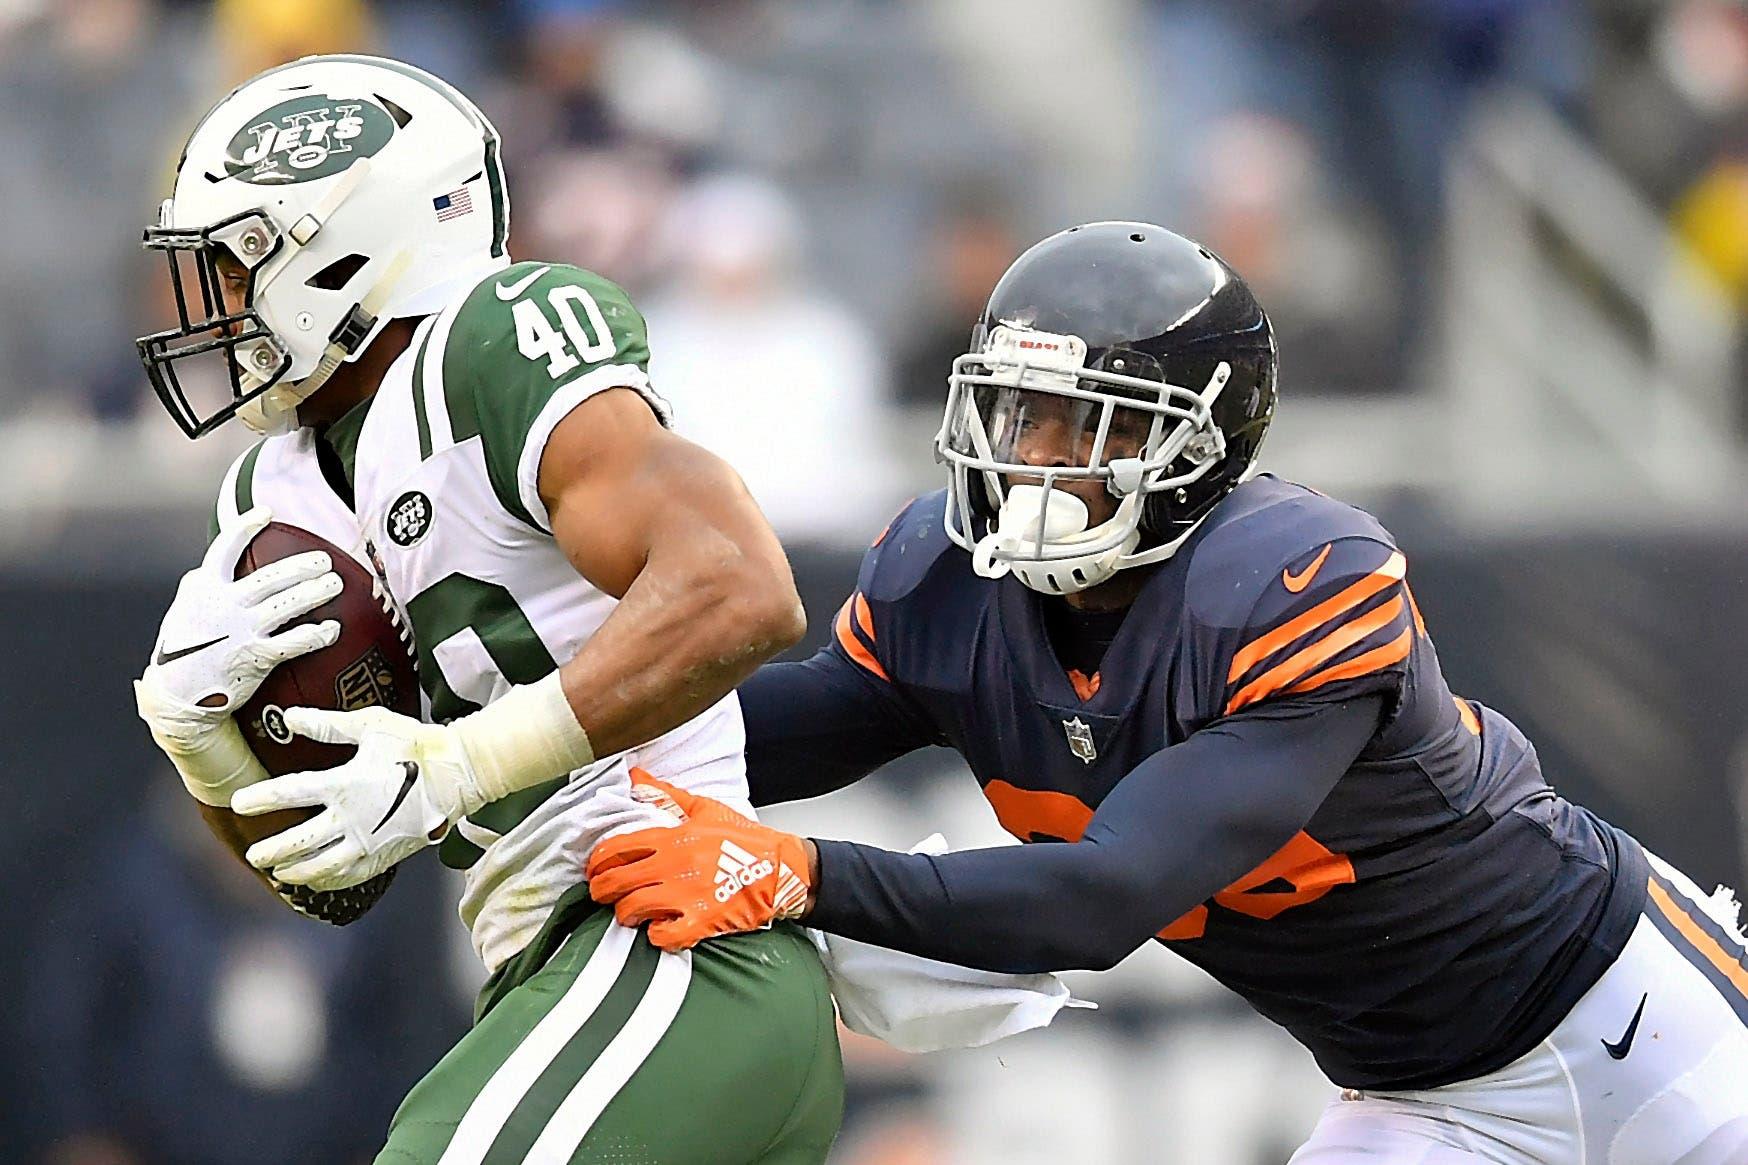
<point>442,462</point>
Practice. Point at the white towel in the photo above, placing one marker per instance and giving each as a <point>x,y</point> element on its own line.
<point>920,1005</point>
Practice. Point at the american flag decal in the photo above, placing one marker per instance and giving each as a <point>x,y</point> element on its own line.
<point>452,205</point>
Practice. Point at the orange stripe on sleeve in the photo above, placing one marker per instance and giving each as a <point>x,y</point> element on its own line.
<point>1377,659</point>
<point>1731,968</point>
<point>1419,623</point>
<point>848,640</point>
<point>864,616</point>
<point>1467,715</point>
<point>1330,646</point>
<point>1264,646</point>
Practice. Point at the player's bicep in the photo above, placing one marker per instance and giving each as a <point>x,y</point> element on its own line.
<point>621,491</point>
<point>821,724</point>
<point>597,479</point>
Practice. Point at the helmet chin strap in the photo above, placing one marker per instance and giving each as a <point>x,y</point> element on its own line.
<point>1038,531</point>
<point>275,411</point>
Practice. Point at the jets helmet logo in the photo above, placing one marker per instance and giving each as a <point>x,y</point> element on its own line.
<point>409,518</point>
<point>1080,740</point>
<point>307,138</point>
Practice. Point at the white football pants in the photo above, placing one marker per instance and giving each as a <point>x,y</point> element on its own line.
<point>1677,1096</point>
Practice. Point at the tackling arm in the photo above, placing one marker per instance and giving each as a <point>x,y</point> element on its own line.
<point>1181,826</point>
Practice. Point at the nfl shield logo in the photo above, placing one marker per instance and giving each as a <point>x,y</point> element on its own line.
<point>1080,740</point>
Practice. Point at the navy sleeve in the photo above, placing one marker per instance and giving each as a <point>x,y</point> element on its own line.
<point>1181,826</point>
<point>816,726</point>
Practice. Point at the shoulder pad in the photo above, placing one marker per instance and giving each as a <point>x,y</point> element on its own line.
<point>1259,551</point>
<point>1298,594</point>
<point>908,550</point>
<point>491,305</point>
<point>260,463</point>
<point>522,349</point>
<point>546,324</point>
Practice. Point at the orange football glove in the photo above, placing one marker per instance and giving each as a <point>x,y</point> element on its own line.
<point>715,873</point>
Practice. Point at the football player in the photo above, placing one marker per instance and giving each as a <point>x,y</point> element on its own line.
<point>1217,689</point>
<point>585,589</point>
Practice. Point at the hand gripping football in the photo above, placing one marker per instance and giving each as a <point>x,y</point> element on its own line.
<point>372,662</point>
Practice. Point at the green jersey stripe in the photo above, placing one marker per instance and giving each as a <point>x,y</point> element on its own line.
<point>224,504</point>
<point>463,415</point>
<point>420,420</point>
<point>533,1118</point>
<point>500,204</point>
<point>246,479</point>
<point>434,388</point>
<point>485,1118</point>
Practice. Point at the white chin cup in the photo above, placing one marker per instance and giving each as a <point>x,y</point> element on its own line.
<point>1045,559</point>
<point>275,411</point>
<point>269,416</point>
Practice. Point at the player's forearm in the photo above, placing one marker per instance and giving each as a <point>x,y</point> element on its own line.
<point>695,623</point>
<point>681,638</point>
<point>1023,909</point>
<point>1043,908</point>
<point>1184,824</point>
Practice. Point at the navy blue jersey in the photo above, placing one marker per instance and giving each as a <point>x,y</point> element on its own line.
<point>1441,908</point>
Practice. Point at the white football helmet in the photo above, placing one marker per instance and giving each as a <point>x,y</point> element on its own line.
<point>353,190</point>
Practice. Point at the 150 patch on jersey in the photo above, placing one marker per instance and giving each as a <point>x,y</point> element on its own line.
<point>307,138</point>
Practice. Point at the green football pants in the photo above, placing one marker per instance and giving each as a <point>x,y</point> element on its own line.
<point>595,1047</point>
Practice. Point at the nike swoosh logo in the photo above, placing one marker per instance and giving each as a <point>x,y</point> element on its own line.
<point>1298,582</point>
<point>165,657</point>
<point>1620,1049</point>
<point>412,771</point>
<point>509,291</point>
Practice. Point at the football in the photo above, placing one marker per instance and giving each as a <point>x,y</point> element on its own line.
<point>372,663</point>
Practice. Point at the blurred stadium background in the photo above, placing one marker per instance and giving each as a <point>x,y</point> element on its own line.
<point>1506,246</point>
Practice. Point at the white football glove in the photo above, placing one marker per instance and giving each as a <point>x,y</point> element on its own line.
<point>216,645</point>
<point>408,783</point>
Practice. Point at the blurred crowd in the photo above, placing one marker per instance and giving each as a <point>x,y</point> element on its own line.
<point>811,199</point>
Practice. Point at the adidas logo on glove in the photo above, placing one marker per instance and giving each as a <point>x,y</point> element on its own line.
<point>736,869</point>
<point>758,875</point>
